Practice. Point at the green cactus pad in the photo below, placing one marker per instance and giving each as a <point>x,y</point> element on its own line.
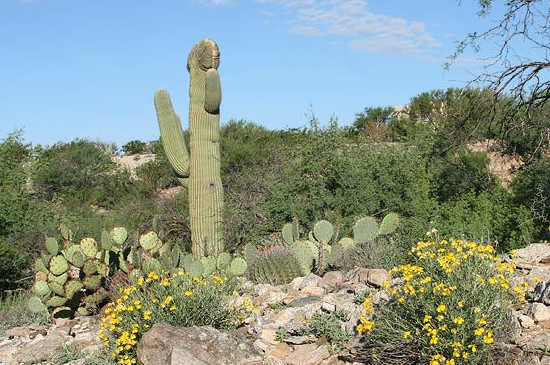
<point>238,267</point>
<point>106,240</point>
<point>209,265</point>
<point>92,282</point>
<point>66,233</point>
<point>82,312</point>
<point>306,253</point>
<point>35,305</point>
<point>41,289</point>
<point>90,267</point>
<point>58,265</point>
<point>60,279</point>
<point>223,261</point>
<point>195,268</point>
<point>347,243</point>
<point>122,264</point>
<point>250,251</point>
<point>165,249</point>
<point>288,233</point>
<point>71,287</point>
<point>76,257</point>
<point>187,260</point>
<point>119,236</point>
<point>52,245</point>
<point>134,256</point>
<point>388,224</point>
<point>176,255</point>
<point>89,247</point>
<point>56,288</point>
<point>102,269</point>
<point>365,230</point>
<point>55,301</point>
<point>148,241</point>
<point>39,275</point>
<point>62,312</point>
<point>336,254</point>
<point>323,231</point>
<point>151,264</point>
<point>39,266</point>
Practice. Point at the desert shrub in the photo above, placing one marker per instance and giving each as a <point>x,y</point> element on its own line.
<point>178,299</point>
<point>14,311</point>
<point>531,188</point>
<point>13,263</point>
<point>15,201</point>
<point>71,170</point>
<point>447,306</point>
<point>157,174</point>
<point>329,326</point>
<point>135,147</point>
<point>490,217</point>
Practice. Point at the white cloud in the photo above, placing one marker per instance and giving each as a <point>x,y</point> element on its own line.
<point>361,29</point>
<point>349,20</point>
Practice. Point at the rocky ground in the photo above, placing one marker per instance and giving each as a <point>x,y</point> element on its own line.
<point>290,307</point>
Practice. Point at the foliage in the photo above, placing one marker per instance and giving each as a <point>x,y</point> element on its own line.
<point>178,299</point>
<point>135,147</point>
<point>532,188</point>
<point>13,262</point>
<point>376,115</point>
<point>73,171</point>
<point>447,306</point>
<point>14,311</point>
<point>329,326</point>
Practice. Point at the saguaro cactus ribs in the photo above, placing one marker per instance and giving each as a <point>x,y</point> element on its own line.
<point>199,169</point>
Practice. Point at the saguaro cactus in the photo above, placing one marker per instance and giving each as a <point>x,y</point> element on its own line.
<point>198,169</point>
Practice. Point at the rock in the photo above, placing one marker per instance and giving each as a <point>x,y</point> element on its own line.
<point>164,344</point>
<point>332,279</point>
<point>506,354</point>
<point>310,354</point>
<point>526,321</point>
<point>377,277</point>
<point>280,351</point>
<point>534,253</point>
<point>540,313</point>
<point>300,340</point>
<point>357,276</point>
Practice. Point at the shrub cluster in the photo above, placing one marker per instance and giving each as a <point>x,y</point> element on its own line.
<point>448,306</point>
<point>178,299</point>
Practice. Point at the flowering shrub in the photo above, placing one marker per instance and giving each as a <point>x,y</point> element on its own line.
<point>446,308</point>
<point>177,299</point>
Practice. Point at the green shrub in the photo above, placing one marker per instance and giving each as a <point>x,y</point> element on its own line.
<point>447,306</point>
<point>178,299</point>
<point>13,264</point>
<point>135,147</point>
<point>71,170</point>
<point>488,218</point>
<point>531,188</point>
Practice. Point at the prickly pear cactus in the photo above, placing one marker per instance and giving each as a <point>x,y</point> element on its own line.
<point>199,169</point>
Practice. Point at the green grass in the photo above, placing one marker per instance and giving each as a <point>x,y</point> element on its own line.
<point>14,311</point>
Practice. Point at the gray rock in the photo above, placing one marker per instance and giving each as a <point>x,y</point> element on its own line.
<point>534,253</point>
<point>377,277</point>
<point>164,344</point>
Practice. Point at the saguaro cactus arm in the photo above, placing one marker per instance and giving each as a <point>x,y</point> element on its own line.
<point>172,135</point>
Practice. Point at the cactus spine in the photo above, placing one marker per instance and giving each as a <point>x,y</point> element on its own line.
<point>199,169</point>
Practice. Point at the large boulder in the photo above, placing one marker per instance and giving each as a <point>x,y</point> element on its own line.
<point>164,344</point>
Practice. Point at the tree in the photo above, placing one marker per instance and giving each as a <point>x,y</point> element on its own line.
<point>523,26</point>
<point>375,115</point>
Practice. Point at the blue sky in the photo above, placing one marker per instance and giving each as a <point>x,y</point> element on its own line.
<point>88,68</point>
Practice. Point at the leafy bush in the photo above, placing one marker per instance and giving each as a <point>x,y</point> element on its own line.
<point>177,299</point>
<point>135,147</point>
<point>329,326</point>
<point>490,218</point>
<point>531,188</point>
<point>71,170</point>
<point>448,306</point>
<point>13,263</point>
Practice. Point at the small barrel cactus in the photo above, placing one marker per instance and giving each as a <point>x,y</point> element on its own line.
<point>276,265</point>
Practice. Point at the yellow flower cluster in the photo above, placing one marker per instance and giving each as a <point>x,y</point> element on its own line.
<point>159,297</point>
<point>442,301</point>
